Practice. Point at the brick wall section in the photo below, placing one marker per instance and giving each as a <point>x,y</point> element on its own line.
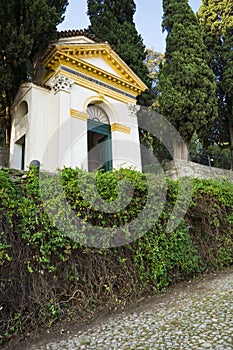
<point>180,168</point>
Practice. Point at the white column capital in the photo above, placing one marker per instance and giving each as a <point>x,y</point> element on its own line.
<point>62,83</point>
<point>132,109</point>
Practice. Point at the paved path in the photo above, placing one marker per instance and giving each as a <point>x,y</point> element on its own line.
<point>197,316</point>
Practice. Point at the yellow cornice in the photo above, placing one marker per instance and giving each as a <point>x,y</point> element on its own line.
<point>114,127</point>
<point>79,115</point>
<point>76,53</point>
<point>94,72</point>
<point>120,128</point>
<point>119,96</point>
<point>104,51</point>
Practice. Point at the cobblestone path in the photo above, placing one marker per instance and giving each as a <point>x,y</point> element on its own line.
<point>199,316</point>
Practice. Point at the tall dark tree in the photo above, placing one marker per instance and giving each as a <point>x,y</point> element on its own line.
<point>186,83</point>
<point>216,19</point>
<point>112,21</point>
<point>25,27</point>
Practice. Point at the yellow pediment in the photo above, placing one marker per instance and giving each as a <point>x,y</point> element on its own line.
<point>98,61</point>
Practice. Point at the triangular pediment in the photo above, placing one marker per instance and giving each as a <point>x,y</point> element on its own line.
<point>102,64</point>
<point>95,59</point>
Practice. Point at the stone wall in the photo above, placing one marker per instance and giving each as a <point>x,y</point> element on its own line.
<point>179,168</point>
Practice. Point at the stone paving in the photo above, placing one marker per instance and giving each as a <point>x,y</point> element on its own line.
<point>199,316</point>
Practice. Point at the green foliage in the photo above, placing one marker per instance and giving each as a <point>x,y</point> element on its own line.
<point>186,83</point>
<point>4,256</point>
<point>216,20</point>
<point>49,274</point>
<point>153,62</point>
<point>26,27</point>
<point>162,258</point>
<point>122,10</point>
<point>221,158</point>
<point>112,21</point>
<point>211,217</point>
<point>209,154</point>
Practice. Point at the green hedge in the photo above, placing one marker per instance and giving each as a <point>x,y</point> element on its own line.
<point>47,274</point>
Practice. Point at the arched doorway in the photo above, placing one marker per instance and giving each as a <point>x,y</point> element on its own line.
<point>99,139</point>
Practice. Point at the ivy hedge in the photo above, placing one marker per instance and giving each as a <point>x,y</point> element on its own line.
<point>48,273</point>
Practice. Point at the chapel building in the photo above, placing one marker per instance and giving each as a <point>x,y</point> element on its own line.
<point>80,111</point>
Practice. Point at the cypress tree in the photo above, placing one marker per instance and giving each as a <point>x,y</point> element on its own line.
<point>216,20</point>
<point>25,27</point>
<point>112,21</point>
<point>186,83</point>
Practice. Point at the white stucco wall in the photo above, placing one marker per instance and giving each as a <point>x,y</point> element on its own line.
<point>20,127</point>
<point>57,138</point>
<point>101,63</point>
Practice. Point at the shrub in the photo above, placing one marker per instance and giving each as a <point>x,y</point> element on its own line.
<point>48,273</point>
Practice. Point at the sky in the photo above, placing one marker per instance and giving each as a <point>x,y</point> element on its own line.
<point>148,18</point>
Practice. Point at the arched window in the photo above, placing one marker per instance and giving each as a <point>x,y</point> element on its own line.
<point>99,139</point>
<point>97,113</point>
<point>22,109</point>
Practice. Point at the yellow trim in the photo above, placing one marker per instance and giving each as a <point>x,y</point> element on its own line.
<point>100,98</point>
<point>120,128</point>
<point>94,72</point>
<point>97,88</point>
<point>79,115</point>
<point>77,52</point>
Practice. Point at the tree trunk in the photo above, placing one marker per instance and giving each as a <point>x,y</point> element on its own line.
<point>181,150</point>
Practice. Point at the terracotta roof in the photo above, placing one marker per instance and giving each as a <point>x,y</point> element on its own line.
<point>75,32</point>
<point>66,34</point>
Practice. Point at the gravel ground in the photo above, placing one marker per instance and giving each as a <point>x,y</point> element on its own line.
<point>198,315</point>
